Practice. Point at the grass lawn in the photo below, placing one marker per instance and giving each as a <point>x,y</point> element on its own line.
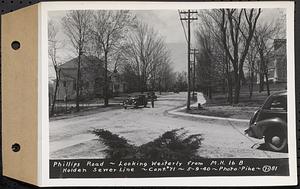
<point>218,105</point>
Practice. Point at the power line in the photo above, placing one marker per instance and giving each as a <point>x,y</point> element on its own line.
<point>182,26</point>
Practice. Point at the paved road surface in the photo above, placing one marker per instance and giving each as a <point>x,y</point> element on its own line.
<point>70,137</point>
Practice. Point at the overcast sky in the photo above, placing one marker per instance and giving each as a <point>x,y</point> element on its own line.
<point>167,23</point>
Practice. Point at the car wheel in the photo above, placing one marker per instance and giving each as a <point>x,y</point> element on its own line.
<point>276,140</point>
<point>125,107</point>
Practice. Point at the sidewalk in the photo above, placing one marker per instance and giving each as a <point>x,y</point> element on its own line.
<point>201,99</point>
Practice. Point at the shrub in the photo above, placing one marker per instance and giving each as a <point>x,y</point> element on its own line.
<point>171,145</point>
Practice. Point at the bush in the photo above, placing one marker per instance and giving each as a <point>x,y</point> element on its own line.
<point>118,146</point>
<point>172,145</point>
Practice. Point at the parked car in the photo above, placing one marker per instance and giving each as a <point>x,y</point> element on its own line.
<point>136,101</point>
<point>176,90</point>
<point>151,95</point>
<point>270,122</point>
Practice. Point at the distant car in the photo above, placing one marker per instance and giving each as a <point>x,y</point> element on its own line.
<point>137,101</point>
<point>270,122</point>
<point>151,95</point>
<point>176,91</point>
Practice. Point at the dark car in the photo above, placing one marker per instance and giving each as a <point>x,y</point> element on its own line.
<point>137,101</point>
<point>270,122</point>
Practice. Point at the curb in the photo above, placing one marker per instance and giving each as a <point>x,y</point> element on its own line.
<point>175,112</point>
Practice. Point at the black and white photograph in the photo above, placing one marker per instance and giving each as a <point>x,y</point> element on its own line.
<point>174,92</point>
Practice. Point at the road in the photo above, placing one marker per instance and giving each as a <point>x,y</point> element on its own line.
<point>71,138</point>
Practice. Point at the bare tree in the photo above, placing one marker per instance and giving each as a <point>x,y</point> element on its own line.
<point>251,64</point>
<point>239,25</point>
<point>264,37</point>
<point>77,24</point>
<point>145,51</point>
<point>163,76</point>
<point>109,31</point>
<point>213,65</point>
<point>53,45</point>
<point>181,81</point>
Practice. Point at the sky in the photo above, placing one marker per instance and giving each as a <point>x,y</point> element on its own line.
<point>168,25</point>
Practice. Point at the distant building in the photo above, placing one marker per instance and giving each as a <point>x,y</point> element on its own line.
<point>277,63</point>
<point>280,61</point>
<point>92,79</point>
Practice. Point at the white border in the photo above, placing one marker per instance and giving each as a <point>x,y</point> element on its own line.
<point>43,179</point>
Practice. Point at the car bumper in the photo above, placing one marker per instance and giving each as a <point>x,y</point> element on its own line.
<point>253,131</point>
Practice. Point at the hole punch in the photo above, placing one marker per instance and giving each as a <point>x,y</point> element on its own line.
<point>15,45</point>
<point>16,147</point>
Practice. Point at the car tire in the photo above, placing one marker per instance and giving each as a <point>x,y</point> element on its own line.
<point>276,140</point>
<point>125,107</point>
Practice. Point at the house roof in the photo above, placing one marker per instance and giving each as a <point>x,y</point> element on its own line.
<point>91,67</point>
<point>85,62</point>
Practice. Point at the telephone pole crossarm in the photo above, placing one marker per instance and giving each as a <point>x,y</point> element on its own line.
<point>189,11</point>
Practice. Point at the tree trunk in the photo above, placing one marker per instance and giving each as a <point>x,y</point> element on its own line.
<point>230,98</point>
<point>261,75</point>
<point>251,84</point>
<point>237,87</point>
<point>267,83</point>
<point>78,82</point>
<point>142,84</point>
<point>106,85</point>
<point>55,93</point>
<point>159,85</point>
<point>229,81</point>
<point>266,75</point>
<point>210,92</point>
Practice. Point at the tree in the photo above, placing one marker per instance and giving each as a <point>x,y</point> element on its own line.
<point>181,81</point>
<point>109,31</point>
<point>145,51</point>
<point>264,36</point>
<point>164,76</point>
<point>238,27</point>
<point>213,68</point>
<point>77,24</point>
<point>53,46</point>
<point>251,64</point>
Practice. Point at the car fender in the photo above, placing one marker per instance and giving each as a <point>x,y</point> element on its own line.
<point>266,124</point>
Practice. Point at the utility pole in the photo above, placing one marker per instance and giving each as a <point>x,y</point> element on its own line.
<point>188,18</point>
<point>195,51</point>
